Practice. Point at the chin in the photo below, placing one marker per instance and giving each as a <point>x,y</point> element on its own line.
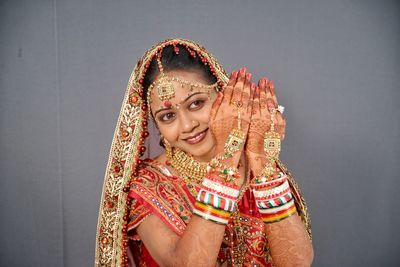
<point>204,152</point>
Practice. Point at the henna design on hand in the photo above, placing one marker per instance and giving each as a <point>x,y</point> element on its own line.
<point>289,242</point>
<point>260,124</point>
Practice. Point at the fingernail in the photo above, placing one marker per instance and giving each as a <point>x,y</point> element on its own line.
<point>272,90</point>
<point>242,70</point>
<point>262,82</point>
<point>271,84</point>
<point>253,86</point>
<point>235,74</point>
<point>248,76</point>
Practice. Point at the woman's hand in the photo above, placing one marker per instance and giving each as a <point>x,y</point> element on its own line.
<point>224,113</point>
<point>264,101</point>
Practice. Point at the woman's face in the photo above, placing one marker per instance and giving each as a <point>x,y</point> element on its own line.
<point>183,119</point>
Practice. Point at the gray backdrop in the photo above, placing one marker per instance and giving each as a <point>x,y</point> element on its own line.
<point>64,67</point>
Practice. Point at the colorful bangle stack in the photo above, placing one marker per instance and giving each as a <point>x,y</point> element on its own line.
<point>216,200</point>
<point>274,199</point>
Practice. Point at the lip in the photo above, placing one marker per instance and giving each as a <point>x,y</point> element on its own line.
<point>197,138</point>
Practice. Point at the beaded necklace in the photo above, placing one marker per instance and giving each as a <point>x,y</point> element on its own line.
<point>191,170</point>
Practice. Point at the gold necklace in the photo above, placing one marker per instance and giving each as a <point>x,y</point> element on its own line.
<point>191,170</point>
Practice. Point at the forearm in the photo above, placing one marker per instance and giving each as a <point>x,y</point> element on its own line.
<point>199,245</point>
<point>202,239</point>
<point>288,239</point>
<point>289,242</point>
<point>200,242</point>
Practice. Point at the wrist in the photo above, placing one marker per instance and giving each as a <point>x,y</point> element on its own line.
<point>258,163</point>
<point>274,199</point>
<point>216,200</point>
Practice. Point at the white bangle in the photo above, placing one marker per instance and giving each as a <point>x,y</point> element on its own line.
<point>277,209</point>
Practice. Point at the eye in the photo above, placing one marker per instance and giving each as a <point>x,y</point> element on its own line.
<point>167,117</point>
<point>197,104</point>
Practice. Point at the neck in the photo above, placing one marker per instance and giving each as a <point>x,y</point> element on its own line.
<point>206,157</point>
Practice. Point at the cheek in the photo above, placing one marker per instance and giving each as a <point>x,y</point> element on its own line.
<point>205,113</point>
<point>170,131</point>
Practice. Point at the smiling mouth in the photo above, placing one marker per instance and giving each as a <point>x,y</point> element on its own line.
<point>196,138</point>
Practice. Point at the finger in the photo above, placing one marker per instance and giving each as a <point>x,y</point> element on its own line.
<point>229,87</point>
<point>279,118</point>
<point>216,105</point>
<point>256,103</point>
<point>267,89</point>
<point>284,128</point>
<point>271,88</point>
<point>271,106</point>
<point>246,91</point>
<point>263,94</point>
<point>238,88</point>
<point>251,100</point>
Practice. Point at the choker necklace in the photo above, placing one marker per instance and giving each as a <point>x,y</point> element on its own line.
<point>191,170</point>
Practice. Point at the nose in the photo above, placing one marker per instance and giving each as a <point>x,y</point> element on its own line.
<point>187,123</point>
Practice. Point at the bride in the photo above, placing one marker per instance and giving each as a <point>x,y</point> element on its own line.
<point>218,195</point>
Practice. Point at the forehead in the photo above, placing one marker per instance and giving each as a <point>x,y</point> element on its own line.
<point>181,90</point>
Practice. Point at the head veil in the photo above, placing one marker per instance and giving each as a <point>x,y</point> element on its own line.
<point>128,146</point>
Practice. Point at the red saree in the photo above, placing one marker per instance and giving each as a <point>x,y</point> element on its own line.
<point>167,197</point>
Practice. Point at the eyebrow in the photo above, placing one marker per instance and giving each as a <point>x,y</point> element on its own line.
<point>188,97</point>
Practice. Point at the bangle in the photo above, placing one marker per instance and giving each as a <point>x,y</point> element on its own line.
<point>276,202</point>
<point>272,193</point>
<point>271,218</point>
<point>276,210</point>
<point>215,200</point>
<point>216,192</point>
<point>210,217</point>
<point>263,179</point>
<point>210,213</point>
<point>220,186</point>
<point>264,185</point>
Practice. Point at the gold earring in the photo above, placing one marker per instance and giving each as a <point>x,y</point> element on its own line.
<point>168,149</point>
